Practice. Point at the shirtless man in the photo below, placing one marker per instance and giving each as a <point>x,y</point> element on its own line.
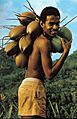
<point>31,94</point>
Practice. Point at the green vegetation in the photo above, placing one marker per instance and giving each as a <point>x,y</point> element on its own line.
<point>61,91</point>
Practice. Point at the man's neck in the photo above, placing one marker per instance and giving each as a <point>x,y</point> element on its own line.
<point>47,36</point>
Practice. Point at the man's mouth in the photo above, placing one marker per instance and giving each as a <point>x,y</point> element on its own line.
<point>53,32</point>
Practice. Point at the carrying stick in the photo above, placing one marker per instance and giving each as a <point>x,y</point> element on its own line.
<point>69,21</point>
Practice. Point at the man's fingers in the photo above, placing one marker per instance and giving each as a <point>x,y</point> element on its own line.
<point>66,41</point>
<point>70,41</point>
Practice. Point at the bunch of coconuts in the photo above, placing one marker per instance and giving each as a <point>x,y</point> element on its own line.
<point>23,36</point>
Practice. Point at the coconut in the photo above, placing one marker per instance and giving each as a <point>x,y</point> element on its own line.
<point>12,48</point>
<point>26,17</point>
<point>65,33</point>
<point>24,43</point>
<point>56,44</point>
<point>21,60</point>
<point>34,28</point>
<point>16,32</point>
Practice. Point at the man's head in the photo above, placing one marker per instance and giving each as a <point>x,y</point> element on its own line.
<point>47,11</point>
<point>49,20</point>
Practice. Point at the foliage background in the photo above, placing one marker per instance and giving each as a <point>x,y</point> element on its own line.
<point>61,91</point>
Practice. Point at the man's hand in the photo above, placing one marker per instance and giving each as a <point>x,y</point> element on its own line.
<point>66,44</point>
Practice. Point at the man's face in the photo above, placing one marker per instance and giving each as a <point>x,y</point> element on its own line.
<point>51,25</point>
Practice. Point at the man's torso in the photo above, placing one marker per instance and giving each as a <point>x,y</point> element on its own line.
<point>35,68</point>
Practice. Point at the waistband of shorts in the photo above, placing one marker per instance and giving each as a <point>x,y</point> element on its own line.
<point>31,79</point>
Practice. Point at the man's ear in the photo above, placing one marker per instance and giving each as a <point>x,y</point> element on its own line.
<point>41,24</point>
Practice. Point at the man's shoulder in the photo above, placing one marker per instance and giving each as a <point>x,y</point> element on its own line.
<point>42,40</point>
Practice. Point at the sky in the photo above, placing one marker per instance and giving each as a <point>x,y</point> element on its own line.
<point>66,8</point>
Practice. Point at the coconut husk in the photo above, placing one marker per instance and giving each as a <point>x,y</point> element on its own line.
<point>34,28</point>
<point>12,48</point>
<point>21,60</point>
<point>26,17</point>
<point>24,43</point>
<point>16,32</point>
<point>64,32</point>
<point>56,44</point>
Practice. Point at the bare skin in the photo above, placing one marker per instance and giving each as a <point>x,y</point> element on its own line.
<point>40,62</point>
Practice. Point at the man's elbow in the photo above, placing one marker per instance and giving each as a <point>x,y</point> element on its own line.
<point>49,76</point>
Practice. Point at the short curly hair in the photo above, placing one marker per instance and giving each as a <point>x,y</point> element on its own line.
<point>49,11</point>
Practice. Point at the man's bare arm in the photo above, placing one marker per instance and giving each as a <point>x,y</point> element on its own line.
<point>50,71</point>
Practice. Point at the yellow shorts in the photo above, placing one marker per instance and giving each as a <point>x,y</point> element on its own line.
<point>32,98</point>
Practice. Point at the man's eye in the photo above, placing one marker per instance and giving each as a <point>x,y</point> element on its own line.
<point>58,23</point>
<point>51,24</point>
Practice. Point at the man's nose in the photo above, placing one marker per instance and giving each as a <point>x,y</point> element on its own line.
<point>55,27</point>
